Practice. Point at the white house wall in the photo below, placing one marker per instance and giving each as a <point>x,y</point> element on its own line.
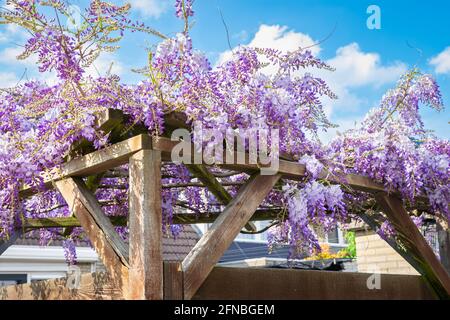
<point>40,263</point>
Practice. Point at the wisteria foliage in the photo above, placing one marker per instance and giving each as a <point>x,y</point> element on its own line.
<point>40,124</point>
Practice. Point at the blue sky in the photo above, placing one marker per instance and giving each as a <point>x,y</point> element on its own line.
<point>367,61</point>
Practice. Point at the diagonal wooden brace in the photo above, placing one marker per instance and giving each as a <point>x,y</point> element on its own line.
<point>112,250</point>
<point>213,244</point>
<point>397,214</point>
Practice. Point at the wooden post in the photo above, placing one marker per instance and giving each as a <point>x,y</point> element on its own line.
<point>145,223</point>
<point>207,252</point>
<point>173,280</point>
<point>396,213</point>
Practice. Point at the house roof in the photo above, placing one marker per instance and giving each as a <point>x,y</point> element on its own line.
<point>242,250</point>
<point>174,249</point>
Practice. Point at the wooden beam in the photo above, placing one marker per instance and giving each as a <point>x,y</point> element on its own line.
<point>92,183</point>
<point>109,122</point>
<point>95,286</point>
<point>396,213</point>
<point>179,218</point>
<point>117,154</point>
<point>64,222</point>
<point>173,280</point>
<point>110,119</point>
<point>289,169</point>
<point>145,225</point>
<point>106,241</point>
<point>207,252</point>
<point>95,162</point>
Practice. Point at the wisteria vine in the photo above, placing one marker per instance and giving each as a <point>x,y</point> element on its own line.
<point>40,124</point>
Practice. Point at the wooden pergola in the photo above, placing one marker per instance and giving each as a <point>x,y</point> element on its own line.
<point>136,270</point>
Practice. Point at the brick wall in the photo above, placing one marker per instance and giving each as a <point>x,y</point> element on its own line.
<point>375,255</point>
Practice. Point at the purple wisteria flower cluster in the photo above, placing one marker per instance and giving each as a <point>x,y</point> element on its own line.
<point>184,8</point>
<point>392,146</point>
<point>41,125</point>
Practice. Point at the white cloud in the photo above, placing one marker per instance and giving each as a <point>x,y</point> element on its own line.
<point>150,8</point>
<point>276,37</point>
<point>9,55</point>
<point>281,38</point>
<point>8,79</point>
<point>441,62</point>
<point>241,36</point>
<point>355,68</point>
<point>344,124</point>
<point>12,33</point>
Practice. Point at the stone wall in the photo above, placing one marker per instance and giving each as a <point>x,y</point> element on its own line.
<point>375,255</point>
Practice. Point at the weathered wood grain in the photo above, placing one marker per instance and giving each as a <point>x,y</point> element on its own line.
<point>95,162</point>
<point>145,220</point>
<point>173,280</point>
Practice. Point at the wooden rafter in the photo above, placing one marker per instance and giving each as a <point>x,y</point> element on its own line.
<point>118,154</point>
<point>95,162</point>
<point>179,218</point>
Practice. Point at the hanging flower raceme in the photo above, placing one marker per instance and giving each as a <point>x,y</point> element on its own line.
<point>55,52</point>
<point>309,205</point>
<point>184,8</point>
<point>392,147</point>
